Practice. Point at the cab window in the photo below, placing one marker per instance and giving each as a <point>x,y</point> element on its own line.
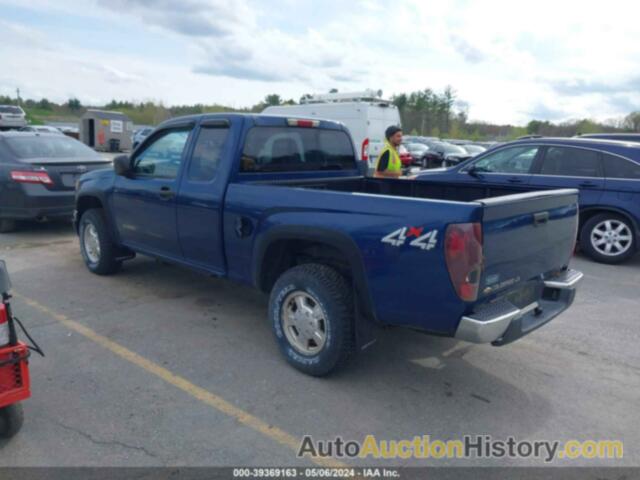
<point>207,152</point>
<point>162,157</point>
<point>295,149</point>
<point>514,160</point>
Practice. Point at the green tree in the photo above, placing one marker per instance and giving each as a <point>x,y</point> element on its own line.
<point>272,99</point>
<point>44,104</point>
<point>632,121</point>
<point>74,104</point>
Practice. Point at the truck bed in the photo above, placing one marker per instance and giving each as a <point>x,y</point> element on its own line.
<point>398,188</point>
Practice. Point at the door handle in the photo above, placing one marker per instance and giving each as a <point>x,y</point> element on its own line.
<point>514,180</point>
<point>588,185</point>
<point>166,193</point>
<point>540,218</point>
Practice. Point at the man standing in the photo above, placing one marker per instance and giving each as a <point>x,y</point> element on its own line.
<point>388,164</point>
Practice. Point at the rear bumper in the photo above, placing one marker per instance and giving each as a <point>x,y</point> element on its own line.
<point>502,322</point>
<point>29,202</point>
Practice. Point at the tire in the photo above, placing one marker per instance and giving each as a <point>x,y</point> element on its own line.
<point>7,225</point>
<point>103,260</point>
<point>328,302</point>
<point>608,231</point>
<point>11,420</point>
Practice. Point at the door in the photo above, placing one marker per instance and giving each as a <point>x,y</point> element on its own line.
<point>144,203</point>
<point>502,172</point>
<point>201,197</point>
<point>571,167</point>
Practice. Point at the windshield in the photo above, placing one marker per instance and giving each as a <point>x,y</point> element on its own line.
<point>54,146</point>
<point>10,109</point>
<point>417,147</point>
<point>451,149</point>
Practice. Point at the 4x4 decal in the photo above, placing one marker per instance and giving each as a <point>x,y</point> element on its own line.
<point>425,241</point>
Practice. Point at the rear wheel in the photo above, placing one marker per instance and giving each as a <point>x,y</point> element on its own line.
<point>608,238</point>
<point>96,245</point>
<point>311,312</point>
<point>11,420</point>
<point>7,225</point>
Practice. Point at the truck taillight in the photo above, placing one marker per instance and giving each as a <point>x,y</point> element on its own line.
<point>297,122</point>
<point>31,177</point>
<point>463,253</point>
<point>4,325</point>
<point>365,150</point>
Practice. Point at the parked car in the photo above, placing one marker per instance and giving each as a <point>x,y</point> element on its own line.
<point>279,203</point>
<point>443,154</point>
<point>12,116</point>
<point>606,172</point>
<point>38,172</point>
<point>624,137</point>
<point>419,154</point>
<point>41,129</point>
<point>473,149</point>
<point>364,114</point>
<point>140,134</point>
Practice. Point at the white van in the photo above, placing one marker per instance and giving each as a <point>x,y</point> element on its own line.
<point>365,115</point>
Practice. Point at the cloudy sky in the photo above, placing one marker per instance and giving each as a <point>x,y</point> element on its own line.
<point>509,62</point>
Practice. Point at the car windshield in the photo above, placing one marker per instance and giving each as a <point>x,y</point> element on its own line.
<point>417,147</point>
<point>54,146</point>
<point>10,109</point>
<point>452,149</point>
<point>474,149</point>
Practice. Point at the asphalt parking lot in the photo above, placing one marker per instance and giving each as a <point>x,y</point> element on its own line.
<point>158,365</point>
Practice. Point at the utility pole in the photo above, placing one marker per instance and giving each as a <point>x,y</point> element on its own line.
<point>18,94</point>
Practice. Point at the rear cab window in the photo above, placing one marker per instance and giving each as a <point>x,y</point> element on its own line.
<point>296,149</point>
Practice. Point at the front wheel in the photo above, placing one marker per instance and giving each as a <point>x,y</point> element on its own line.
<point>608,238</point>
<point>311,313</point>
<point>96,245</point>
<point>11,420</point>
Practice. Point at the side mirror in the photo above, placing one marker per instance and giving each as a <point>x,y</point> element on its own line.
<point>474,172</point>
<point>122,165</point>
<point>5,281</point>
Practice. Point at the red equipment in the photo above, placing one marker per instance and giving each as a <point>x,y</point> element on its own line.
<point>14,364</point>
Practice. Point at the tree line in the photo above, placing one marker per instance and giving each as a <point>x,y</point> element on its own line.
<point>424,112</point>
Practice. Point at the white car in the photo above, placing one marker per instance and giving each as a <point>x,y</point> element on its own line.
<point>365,115</point>
<point>12,116</point>
<point>41,129</point>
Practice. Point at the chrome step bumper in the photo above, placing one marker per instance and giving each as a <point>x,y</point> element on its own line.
<point>502,322</point>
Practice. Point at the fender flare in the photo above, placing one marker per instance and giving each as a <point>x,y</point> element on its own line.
<point>365,318</point>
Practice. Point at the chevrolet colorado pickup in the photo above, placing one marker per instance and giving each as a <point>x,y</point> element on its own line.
<point>280,204</point>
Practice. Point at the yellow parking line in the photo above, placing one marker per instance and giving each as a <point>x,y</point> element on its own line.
<point>205,396</point>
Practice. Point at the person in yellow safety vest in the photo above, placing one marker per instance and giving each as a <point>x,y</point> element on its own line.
<point>388,164</point>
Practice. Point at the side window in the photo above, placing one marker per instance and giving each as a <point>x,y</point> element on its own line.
<point>616,167</point>
<point>206,154</point>
<point>515,160</point>
<point>162,157</point>
<point>571,162</point>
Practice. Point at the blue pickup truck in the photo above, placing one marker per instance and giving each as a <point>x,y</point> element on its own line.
<point>280,204</point>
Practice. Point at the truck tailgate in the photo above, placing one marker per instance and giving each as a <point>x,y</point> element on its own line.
<point>525,236</point>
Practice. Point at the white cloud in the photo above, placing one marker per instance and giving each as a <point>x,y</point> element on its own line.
<point>509,62</point>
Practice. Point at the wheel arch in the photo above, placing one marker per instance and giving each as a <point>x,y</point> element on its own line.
<point>288,246</point>
<point>587,214</point>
